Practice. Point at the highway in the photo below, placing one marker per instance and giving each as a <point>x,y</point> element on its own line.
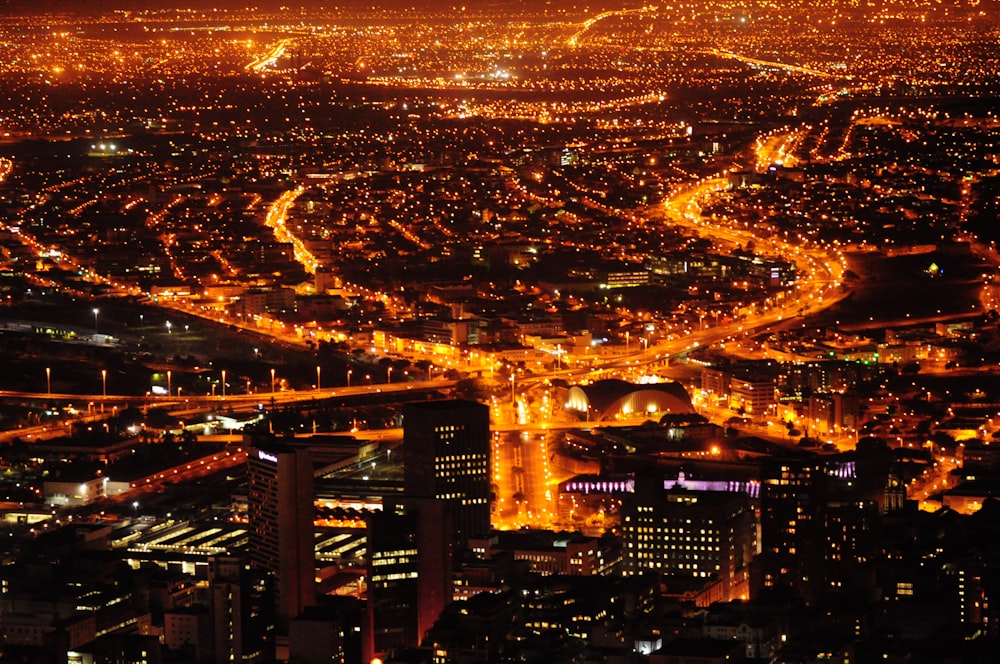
<point>269,58</point>
<point>820,275</point>
<point>589,23</point>
<point>235,400</point>
<point>798,69</point>
<point>191,404</point>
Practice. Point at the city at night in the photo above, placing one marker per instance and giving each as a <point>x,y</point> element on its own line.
<point>518,332</point>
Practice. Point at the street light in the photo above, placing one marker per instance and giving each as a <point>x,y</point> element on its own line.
<point>272,380</point>
<point>349,372</point>
<point>388,376</point>
<point>512,387</point>
<point>96,310</point>
<point>169,390</point>
<point>318,385</point>
<point>104,386</point>
<point>48,380</point>
<point>223,383</point>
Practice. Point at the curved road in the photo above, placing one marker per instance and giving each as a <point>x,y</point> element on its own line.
<point>818,286</point>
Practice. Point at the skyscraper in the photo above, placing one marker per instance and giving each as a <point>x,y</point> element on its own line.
<point>792,505</point>
<point>409,572</point>
<point>281,514</point>
<point>446,453</point>
<point>242,604</point>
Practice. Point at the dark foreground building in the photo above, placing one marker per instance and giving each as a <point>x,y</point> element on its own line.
<point>446,455</point>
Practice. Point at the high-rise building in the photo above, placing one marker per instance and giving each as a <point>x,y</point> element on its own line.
<point>242,605</point>
<point>850,529</point>
<point>409,572</point>
<point>281,515</point>
<point>792,506</point>
<point>819,526</point>
<point>446,455</point>
<point>705,535</point>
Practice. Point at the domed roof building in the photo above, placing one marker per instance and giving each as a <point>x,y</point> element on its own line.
<point>616,399</point>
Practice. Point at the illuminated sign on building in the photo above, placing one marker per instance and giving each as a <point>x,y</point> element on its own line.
<point>266,457</point>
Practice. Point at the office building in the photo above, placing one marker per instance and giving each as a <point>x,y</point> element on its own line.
<point>756,398</point>
<point>792,506</point>
<point>409,572</point>
<point>548,552</point>
<point>708,536</point>
<point>446,453</point>
<point>241,600</point>
<point>281,515</point>
<point>850,545</point>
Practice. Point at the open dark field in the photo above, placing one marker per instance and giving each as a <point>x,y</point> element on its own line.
<point>891,291</point>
